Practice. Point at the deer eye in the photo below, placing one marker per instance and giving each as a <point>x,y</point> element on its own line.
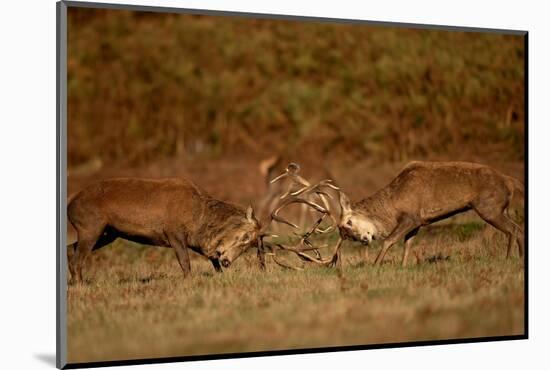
<point>245,238</point>
<point>349,223</point>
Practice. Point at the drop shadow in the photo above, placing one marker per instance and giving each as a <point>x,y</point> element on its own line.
<point>47,358</point>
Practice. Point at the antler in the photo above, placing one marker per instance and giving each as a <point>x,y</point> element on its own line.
<point>301,187</point>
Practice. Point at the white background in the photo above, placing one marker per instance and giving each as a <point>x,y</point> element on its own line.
<point>27,183</point>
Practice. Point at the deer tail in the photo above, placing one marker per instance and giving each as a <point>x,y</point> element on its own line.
<point>516,187</point>
<point>72,235</point>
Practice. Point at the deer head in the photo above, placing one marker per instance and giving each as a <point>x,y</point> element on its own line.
<point>355,225</point>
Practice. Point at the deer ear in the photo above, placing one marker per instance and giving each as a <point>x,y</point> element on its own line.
<point>250,214</point>
<point>345,204</point>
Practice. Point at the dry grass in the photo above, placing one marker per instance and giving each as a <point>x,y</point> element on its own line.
<point>137,304</point>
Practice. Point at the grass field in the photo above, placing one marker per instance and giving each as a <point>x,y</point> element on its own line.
<point>136,303</point>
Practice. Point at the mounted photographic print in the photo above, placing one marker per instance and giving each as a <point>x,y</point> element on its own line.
<point>236,185</point>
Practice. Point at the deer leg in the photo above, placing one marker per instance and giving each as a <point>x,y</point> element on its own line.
<point>261,257</point>
<point>511,240</point>
<point>216,264</point>
<point>404,227</point>
<point>337,258</point>
<point>337,261</point>
<point>408,241</point>
<point>69,259</point>
<point>182,252</point>
<point>85,244</point>
<point>105,239</point>
<point>521,248</point>
<point>387,245</point>
<point>507,226</point>
<point>519,237</point>
<point>74,268</point>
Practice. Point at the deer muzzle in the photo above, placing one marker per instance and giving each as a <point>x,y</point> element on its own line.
<point>225,263</point>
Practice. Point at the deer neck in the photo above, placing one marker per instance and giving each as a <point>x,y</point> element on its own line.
<point>379,213</point>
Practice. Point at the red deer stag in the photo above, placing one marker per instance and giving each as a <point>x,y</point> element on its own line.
<point>426,192</point>
<point>162,212</point>
<point>423,193</point>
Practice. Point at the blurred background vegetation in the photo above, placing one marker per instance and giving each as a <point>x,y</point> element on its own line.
<point>144,87</point>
